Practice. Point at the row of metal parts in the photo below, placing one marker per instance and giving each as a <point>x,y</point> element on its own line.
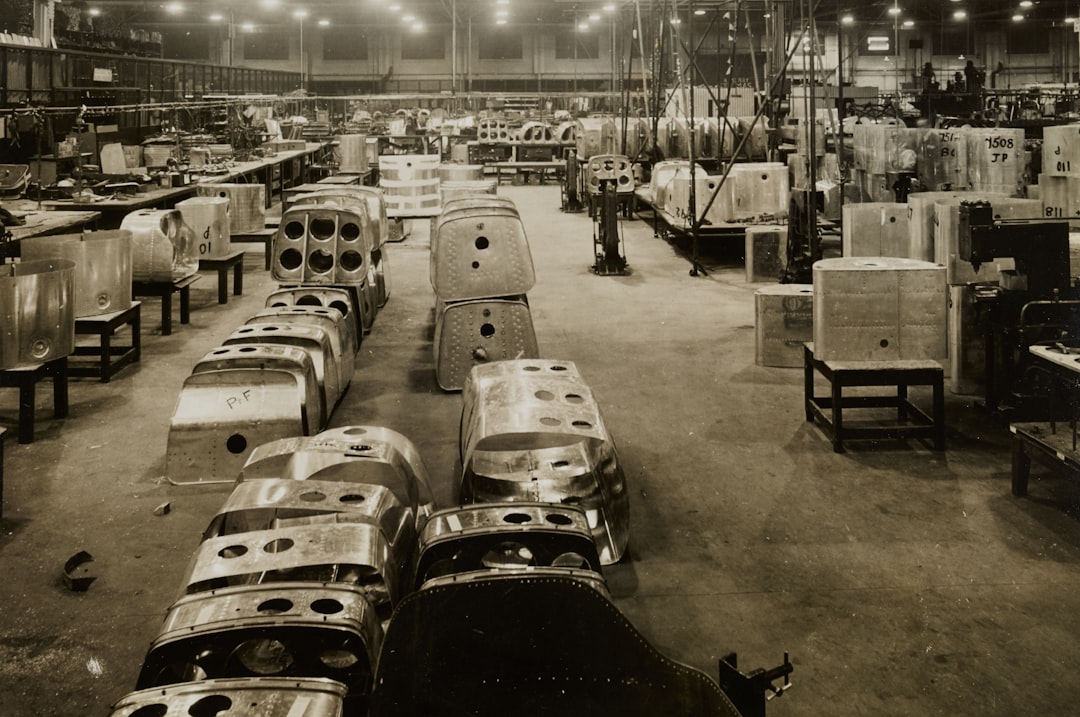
<point>480,269</point>
<point>282,373</point>
<point>287,600</point>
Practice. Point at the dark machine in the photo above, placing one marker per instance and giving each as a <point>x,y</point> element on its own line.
<point>605,180</point>
<point>571,190</point>
<point>1034,303</point>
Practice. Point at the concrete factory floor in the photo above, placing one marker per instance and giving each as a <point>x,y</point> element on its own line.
<point>902,581</point>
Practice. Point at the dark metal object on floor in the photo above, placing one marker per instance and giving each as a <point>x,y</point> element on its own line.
<point>751,691</point>
<point>77,577</point>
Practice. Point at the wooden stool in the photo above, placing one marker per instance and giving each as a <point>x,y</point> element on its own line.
<point>110,359</point>
<point>829,411</point>
<point>263,236</point>
<point>222,264</point>
<point>26,380</point>
<point>165,290</point>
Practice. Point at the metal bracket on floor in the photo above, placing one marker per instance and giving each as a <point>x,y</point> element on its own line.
<point>750,692</point>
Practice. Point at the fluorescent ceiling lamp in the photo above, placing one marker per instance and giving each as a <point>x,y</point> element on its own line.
<point>174,8</point>
<point>324,22</point>
<point>959,15</point>
<point>847,19</point>
<point>215,17</point>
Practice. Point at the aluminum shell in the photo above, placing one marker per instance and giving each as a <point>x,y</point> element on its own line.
<point>102,267</point>
<point>247,697</point>
<point>481,256</point>
<point>594,580</point>
<point>921,220</point>
<point>247,204</point>
<point>638,135</point>
<point>351,553</point>
<point>461,172</point>
<point>879,309</point>
<point>942,159</point>
<point>535,132</point>
<point>372,198</point>
<point>876,229</point>
<point>163,248</point>
<point>489,130</point>
<point>350,153</point>
<point>341,298</point>
<point>37,312</point>
<point>208,219</point>
<point>365,455</point>
<point>761,189</point>
<point>291,359</point>
<point>342,333</point>
<point>1060,197</point>
<point>784,321</point>
<point>1061,149</point>
<point>531,430</point>
<point>766,252</point>
<point>472,333</point>
<point>322,244</point>
<point>677,199</point>
<point>221,415</point>
<point>883,148</point>
<point>614,167</point>
<point>594,135</point>
<point>312,339</point>
<point>662,175</point>
<point>451,190</point>
<point>995,158</point>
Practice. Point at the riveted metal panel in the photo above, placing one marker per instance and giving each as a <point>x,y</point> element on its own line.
<point>37,312</point>
<point>344,299</point>
<point>342,332</point>
<point>322,244</point>
<point>609,167</point>
<point>163,248</point>
<point>221,415</point>
<point>481,256</point>
<point>470,333</point>
<point>247,204</point>
<point>102,267</point>
<point>345,197</point>
<point>245,697</point>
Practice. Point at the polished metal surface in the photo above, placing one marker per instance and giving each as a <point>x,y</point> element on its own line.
<point>594,135</point>
<point>345,196</point>
<point>208,219</point>
<point>345,300</point>
<point>312,339</point>
<point>480,256</point>
<point>37,312</point>
<point>163,248</point>
<point>532,431</point>
<point>247,204</point>
<point>609,167</point>
<point>352,553</point>
<point>342,332</point>
<point>353,455</point>
<point>472,333</point>
<point>483,541</point>
<point>449,172</point>
<point>221,416</point>
<point>102,267</point>
<point>322,244</point>
<point>291,359</point>
<point>240,697</point>
<point>350,153</point>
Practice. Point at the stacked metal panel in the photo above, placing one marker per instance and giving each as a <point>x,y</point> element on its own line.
<point>410,184</point>
<point>481,269</point>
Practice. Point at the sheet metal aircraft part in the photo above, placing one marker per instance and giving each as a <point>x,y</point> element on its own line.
<point>312,339</point>
<point>280,503</point>
<point>351,553</point>
<point>163,248</point>
<point>37,312</point>
<point>345,196</point>
<point>342,298</point>
<point>473,333</point>
<point>322,244</point>
<point>343,339</point>
<point>480,256</point>
<point>353,455</point>
<point>749,692</point>
<point>574,654</point>
<point>614,168</point>
<point>481,541</point>
<point>102,267</point>
<point>531,430</point>
<point>241,697</point>
<point>298,630</point>
<point>221,415</point>
<point>77,577</point>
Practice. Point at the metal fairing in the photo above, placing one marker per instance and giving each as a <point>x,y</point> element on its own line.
<point>312,339</point>
<point>371,197</point>
<point>531,430</point>
<point>475,202</point>
<point>221,415</point>
<point>342,333</point>
<point>475,541</point>
<point>102,267</point>
<point>351,553</point>
<point>543,645</point>
<point>613,167</point>
<point>241,697</point>
<point>294,360</point>
<point>342,298</point>
<point>505,573</point>
<point>473,333</point>
<point>477,256</point>
<point>37,312</point>
<point>322,244</point>
<point>353,455</point>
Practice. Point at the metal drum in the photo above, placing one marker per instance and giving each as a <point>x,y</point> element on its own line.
<point>247,204</point>
<point>208,219</point>
<point>37,312</point>
<point>350,153</point>
<point>221,415</point>
<point>342,332</point>
<point>615,167</point>
<point>481,255</point>
<point>102,267</point>
<point>316,341</point>
<point>292,630</point>
<point>245,697</point>
<point>488,541</point>
<point>163,248</point>
<point>352,455</point>
<point>532,431</point>
<point>472,333</point>
<point>410,183</point>
<point>322,244</point>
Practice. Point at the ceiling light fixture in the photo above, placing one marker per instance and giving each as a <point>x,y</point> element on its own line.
<point>847,19</point>
<point>894,10</point>
<point>324,22</point>
<point>174,8</point>
<point>93,12</point>
<point>215,17</point>
<point>299,13</point>
<point>959,14</point>
<point>1018,17</point>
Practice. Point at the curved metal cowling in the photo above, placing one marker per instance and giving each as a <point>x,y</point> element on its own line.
<point>246,696</point>
<point>532,431</point>
<point>37,312</point>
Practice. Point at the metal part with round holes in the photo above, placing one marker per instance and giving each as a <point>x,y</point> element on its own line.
<point>238,697</point>
<point>484,541</point>
<point>347,300</point>
<point>314,340</point>
<point>37,312</point>
<point>609,167</point>
<point>532,431</point>
<point>353,456</point>
<point>102,267</point>
<point>322,244</point>
<point>481,254</point>
<point>472,333</point>
<point>352,553</point>
<point>220,416</point>
<point>341,331</point>
<point>343,196</point>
